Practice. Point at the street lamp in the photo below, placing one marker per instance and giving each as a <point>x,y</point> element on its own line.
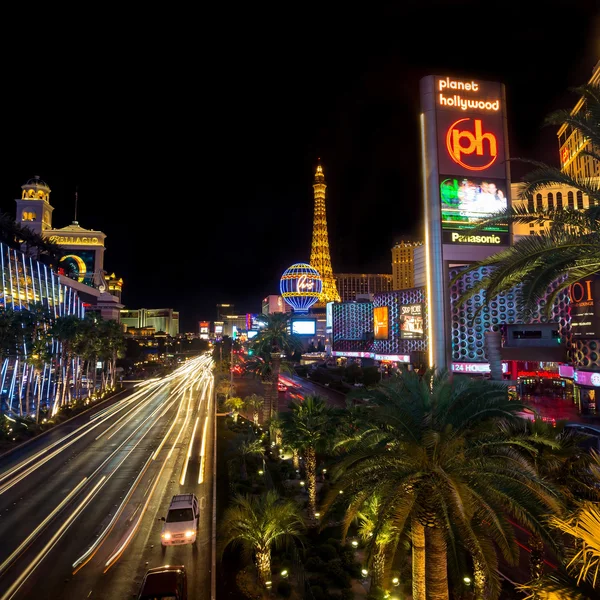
<point>467,580</point>
<point>354,544</point>
<point>396,581</point>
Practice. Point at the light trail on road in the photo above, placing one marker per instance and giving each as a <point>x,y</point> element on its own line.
<point>186,380</point>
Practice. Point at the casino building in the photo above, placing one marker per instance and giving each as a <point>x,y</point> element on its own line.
<point>466,177</point>
<point>82,267</point>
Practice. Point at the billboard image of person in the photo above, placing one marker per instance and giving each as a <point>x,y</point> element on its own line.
<point>467,200</point>
<point>411,322</point>
<point>380,321</point>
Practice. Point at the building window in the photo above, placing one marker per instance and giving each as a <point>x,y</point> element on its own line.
<point>550,201</point>
<point>539,202</point>
<point>580,200</point>
<point>530,205</point>
<point>559,202</point>
<point>28,215</point>
<point>571,200</point>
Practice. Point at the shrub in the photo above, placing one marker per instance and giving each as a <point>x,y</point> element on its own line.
<point>284,589</point>
<point>318,593</point>
<point>337,575</point>
<point>335,543</point>
<point>318,581</point>
<point>314,563</point>
<point>327,552</point>
<point>376,594</point>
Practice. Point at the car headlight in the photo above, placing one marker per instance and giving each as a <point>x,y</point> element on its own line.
<point>189,533</point>
<point>167,536</point>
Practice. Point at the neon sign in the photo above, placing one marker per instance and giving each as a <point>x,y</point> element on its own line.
<point>305,284</point>
<point>457,101</point>
<point>476,239</point>
<point>475,144</point>
<point>75,240</point>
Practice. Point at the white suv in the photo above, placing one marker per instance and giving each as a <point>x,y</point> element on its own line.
<point>181,523</point>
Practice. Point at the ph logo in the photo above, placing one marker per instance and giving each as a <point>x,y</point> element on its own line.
<point>464,146</point>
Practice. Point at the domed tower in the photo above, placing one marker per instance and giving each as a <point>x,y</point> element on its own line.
<point>33,208</point>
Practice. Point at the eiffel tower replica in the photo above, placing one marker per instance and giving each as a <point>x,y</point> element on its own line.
<point>319,253</point>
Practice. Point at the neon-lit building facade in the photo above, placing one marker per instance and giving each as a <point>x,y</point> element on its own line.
<point>27,282</point>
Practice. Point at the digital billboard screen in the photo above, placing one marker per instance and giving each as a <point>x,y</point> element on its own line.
<point>381,323</point>
<point>304,326</point>
<point>251,333</point>
<point>584,306</point>
<point>466,201</point>
<point>411,322</point>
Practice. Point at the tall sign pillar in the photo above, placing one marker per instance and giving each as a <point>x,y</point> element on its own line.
<point>466,178</point>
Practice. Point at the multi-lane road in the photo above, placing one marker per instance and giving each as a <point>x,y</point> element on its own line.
<point>81,507</point>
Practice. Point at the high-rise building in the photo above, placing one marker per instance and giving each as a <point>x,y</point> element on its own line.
<point>574,163</point>
<point>572,143</point>
<point>161,319</point>
<point>320,258</point>
<point>351,285</point>
<point>274,304</point>
<point>403,261</point>
<point>224,309</point>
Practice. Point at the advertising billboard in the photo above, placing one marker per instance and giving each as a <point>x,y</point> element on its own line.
<point>204,325</point>
<point>471,159</point>
<point>380,323</point>
<point>584,306</point>
<point>466,201</point>
<point>329,316</point>
<point>465,179</point>
<point>304,326</point>
<point>411,322</point>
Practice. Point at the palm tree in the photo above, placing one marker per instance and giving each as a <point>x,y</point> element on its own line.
<point>447,475</point>
<point>379,533</point>
<point>35,323</point>
<point>569,248</point>
<point>259,367</point>
<point>65,330</point>
<point>578,579</point>
<point>235,404</point>
<point>259,523</point>
<point>254,403</point>
<point>245,449</point>
<point>272,342</point>
<point>10,332</point>
<point>307,428</point>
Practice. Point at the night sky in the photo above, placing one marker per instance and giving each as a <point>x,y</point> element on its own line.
<point>193,139</point>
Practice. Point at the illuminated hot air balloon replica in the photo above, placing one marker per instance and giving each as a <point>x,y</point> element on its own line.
<point>300,286</point>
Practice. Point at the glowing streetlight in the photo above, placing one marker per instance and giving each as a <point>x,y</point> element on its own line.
<point>396,581</point>
<point>364,572</point>
<point>284,573</point>
<point>467,580</point>
<point>354,543</point>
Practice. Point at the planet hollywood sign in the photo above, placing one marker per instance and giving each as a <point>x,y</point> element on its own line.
<point>457,101</point>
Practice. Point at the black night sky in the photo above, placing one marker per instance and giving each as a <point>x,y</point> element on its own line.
<point>193,138</point>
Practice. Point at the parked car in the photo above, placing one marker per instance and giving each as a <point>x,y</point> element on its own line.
<point>164,583</point>
<point>181,522</point>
